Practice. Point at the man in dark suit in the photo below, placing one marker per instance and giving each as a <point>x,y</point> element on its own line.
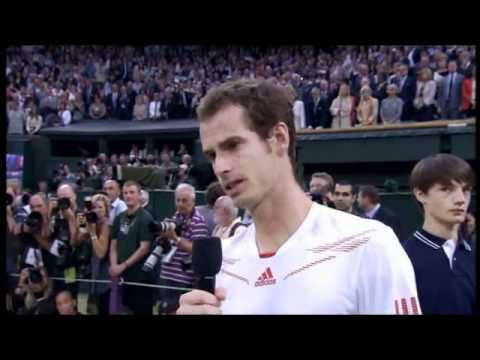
<point>450,93</point>
<point>356,79</point>
<point>318,110</point>
<point>125,104</point>
<point>407,88</point>
<point>112,102</point>
<point>369,202</point>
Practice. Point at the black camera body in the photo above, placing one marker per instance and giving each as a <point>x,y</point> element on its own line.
<point>34,276</point>
<point>162,226</point>
<point>34,221</point>
<point>91,216</point>
<point>64,203</point>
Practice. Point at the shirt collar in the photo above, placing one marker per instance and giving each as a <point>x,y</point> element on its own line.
<point>437,242</point>
<point>372,212</point>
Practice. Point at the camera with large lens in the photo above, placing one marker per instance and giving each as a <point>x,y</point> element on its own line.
<point>34,221</point>
<point>63,203</point>
<point>34,275</point>
<point>163,249</point>
<point>62,234</point>
<point>90,215</point>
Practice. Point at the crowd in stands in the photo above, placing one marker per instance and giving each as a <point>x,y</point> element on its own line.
<point>335,87</point>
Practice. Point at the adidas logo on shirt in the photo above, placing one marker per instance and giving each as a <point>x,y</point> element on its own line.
<point>266,278</point>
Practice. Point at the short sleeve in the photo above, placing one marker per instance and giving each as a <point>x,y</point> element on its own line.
<point>144,229</point>
<point>386,279</point>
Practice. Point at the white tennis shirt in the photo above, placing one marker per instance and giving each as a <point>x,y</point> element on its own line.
<point>335,263</point>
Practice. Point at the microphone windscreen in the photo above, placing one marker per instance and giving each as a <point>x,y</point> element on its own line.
<point>207,256</point>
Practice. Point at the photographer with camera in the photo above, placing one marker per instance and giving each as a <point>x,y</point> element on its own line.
<point>129,248</point>
<point>190,225</point>
<point>93,232</point>
<point>34,293</point>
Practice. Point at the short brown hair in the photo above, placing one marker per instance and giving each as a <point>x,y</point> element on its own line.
<point>330,187</point>
<point>440,169</point>
<point>371,192</point>
<point>214,191</point>
<point>132,183</point>
<point>264,103</point>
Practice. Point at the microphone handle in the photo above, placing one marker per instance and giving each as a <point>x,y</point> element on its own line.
<point>206,283</point>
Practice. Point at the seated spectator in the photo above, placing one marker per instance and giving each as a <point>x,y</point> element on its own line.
<point>182,150</point>
<point>170,168</point>
<point>33,121</point>
<point>391,107</point>
<point>341,108</point>
<point>140,109</point>
<point>367,110</point>
<point>213,192</point>
<point>66,304</point>
<point>16,119</point>
<point>97,110</point>
<point>226,218</point>
<point>424,102</point>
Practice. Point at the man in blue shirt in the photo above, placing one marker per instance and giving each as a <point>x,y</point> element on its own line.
<point>443,261</point>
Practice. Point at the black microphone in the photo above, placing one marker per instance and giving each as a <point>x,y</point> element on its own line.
<point>206,262</point>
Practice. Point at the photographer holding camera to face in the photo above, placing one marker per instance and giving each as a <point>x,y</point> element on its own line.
<point>34,293</point>
<point>93,235</point>
<point>189,225</point>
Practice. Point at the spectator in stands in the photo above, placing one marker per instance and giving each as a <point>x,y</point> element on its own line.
<point>469,94</point>
<point>391,107</point>
<point>97,110</point>
<point>407,89</point>
<point>140,109</point>
<point>367,110</point>
<point>424,102</point>
<point>341,108</point>
<point>117,205</point>
<point>173,274</point>
<point>66,304</point>
<point>369,202</point>
<point>298,109</point>
<point>33,121</point>
<point>113,106</point>
<point>155,107</point>
<point>465,62</point>
<point>380,87</point>
<point>78,109</point>
<point>344,197</point>
<point>444,262</point>
<point>125,105</point>
<point>356,79</point>
<point>213,192</point>
<point>170,168</point>
<point>318,110</point>
<point>442,69</point>
<point>450,93</point>
<point>130,246</point>
<point>182,150</point>
<point>65,114</point>
<point>226,218</point>
<point>123,160</point>
<point>96,236</point>
<point>16,119</point>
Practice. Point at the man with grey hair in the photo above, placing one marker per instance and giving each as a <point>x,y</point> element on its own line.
<point>177,271</point>
<point>226,217</point>
<point>391,107</point>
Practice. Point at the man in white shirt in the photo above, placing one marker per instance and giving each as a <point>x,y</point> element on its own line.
<point>226,217</point>
<point>154,110</point>
<point>297,256</point>
<point>117,205</point>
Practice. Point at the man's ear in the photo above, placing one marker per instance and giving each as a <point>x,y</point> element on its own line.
<point>419,195</point>
<point>281,137</point>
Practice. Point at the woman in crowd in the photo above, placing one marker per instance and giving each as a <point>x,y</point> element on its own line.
<point>140,108</point>
<point>391,107</point>
<point>341,108</point>
<point>424,102</point>
<point>367,110</point>
<point>33,121</point>
<point>94,235</point>
<point>97,109</point>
